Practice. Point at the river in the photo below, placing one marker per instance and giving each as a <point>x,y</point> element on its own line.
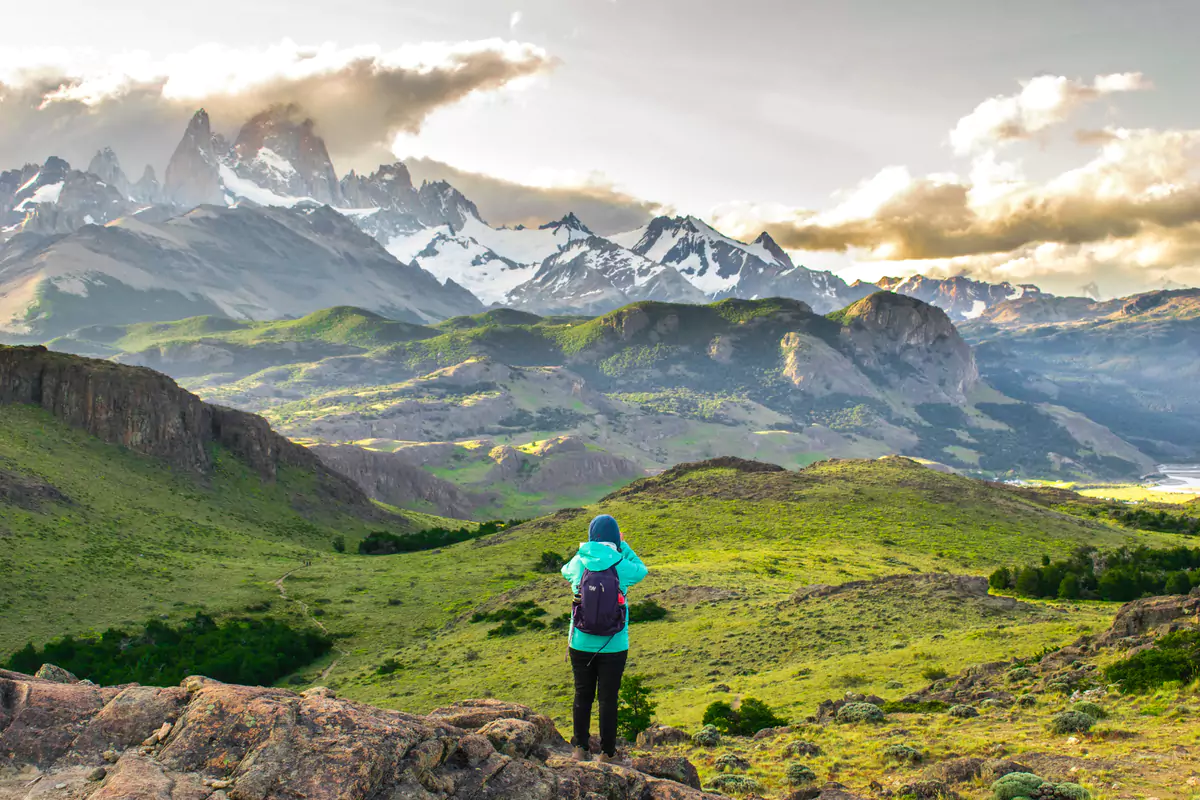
<point>1180,478</point>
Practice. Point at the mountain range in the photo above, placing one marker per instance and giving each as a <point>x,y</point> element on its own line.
<point>278,168</point>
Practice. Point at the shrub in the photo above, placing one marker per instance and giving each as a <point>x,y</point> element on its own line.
<point>1027,700</point>
<point>860,712</point>
<point>850,680</point>
<point>257,652</point>
<point>389,666</point>
<point>1071,722</point>
<point>1091,709</point>
<point>962,712</point>
<point>893,686</point>
<point>339,543</point>
<point>748,719</point>
<point>549,562</point>
<point>799,775</point>
<point>902,753</point>
<point>708,736</point>
<point>1061,791</point>
<point>737,784</point>
<point>1018,674</point>
<point>1176,657</point>
<point>731,763</point>
<point>646,611</point>
<point>933,673</point>
<point>383,543</point>
<point>1014,785</point>
<point>635,709</point>
<point>801,748</point>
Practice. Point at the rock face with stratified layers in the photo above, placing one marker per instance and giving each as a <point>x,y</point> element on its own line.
<point>207,740</point>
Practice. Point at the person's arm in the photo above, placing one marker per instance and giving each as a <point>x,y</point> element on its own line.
<point>631,570</point>
<point>573,572</point>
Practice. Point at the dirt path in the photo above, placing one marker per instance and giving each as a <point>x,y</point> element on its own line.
<point>308,614</point>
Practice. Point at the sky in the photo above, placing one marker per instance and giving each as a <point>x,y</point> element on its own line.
<point>1023,141</point>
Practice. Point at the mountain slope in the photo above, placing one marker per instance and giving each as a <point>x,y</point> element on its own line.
<point>243,263</point>
<point>122,496</point>
<point>961,297</point>
<point>1128,364</point>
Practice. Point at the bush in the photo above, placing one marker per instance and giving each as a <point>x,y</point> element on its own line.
<point>933,673</point>
<point>748,719</point>
<point>339,543</point>
<point>646,611</point>
<point>860,712</point>
<point>1176,657</point>
<point>1071,722</point>
<point>731,763</point>
<point>902,753</point>
<point>635,709</point>
<point>1014,785</point>
<point>1091,709</point>
<point>389,666</point>
<point>962,712</point>
<point>550,562</point>
<point>708,736</point>
<point>801,748</point>
<point>1061,791</point>
<point>737,784</point>
<point>257,652</point>
<point>1018,674</point>
<point>893,686</point>
<point>799,775</point>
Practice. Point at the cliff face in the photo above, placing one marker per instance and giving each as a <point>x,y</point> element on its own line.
<point>148,413</point>
<point>211,740</point>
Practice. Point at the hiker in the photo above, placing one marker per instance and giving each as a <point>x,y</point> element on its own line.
<point>598,643</point>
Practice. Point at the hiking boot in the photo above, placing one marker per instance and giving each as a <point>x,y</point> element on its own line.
<point>579,754</point>
<point>605,758</point>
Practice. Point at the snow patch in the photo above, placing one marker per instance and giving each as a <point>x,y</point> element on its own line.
<point>977,309</point>
<point>249,190</point>
<point>273,161</point>
<point>45,194</point>
<point>29,182</point>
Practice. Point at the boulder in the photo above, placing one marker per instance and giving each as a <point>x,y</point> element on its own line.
<point>671,768</point>
<point>512,737</point>
<point>660,735</point>
<point>49,672</point>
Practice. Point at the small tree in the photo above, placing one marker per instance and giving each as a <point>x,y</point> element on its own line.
<point>752,716</point>
<point>1029,582</point>
<point>1068,588</point>
<point>635,709</point>
<point>1178,583</point>
<point>339,543</point>
<point>1000,579</point>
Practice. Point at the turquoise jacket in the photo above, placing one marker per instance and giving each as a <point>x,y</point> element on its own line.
<point>597,556</point>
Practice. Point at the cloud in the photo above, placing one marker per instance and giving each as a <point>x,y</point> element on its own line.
<point>514,20</point>
<point>360,97</point>
<point>604,209</point>
<point>1043,102</point>
<point>1128,218</point>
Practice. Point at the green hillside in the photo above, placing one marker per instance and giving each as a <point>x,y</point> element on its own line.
<point>95,535</point>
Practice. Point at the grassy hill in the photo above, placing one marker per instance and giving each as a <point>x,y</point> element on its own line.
<point>96,535</point>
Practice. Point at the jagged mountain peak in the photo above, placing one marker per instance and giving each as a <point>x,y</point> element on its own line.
<point>447,204</point>
<point>279,150</point>
<point>569,221</point>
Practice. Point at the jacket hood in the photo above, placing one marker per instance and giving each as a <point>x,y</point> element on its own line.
<point>597,556</point>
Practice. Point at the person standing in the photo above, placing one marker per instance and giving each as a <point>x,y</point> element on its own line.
<point>600,575</point>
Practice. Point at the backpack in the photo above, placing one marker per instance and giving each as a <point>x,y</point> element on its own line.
<point>599,608</point>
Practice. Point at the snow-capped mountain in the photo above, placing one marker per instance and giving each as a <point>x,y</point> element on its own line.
<point>53,198</point>
<point>960,297</point>
<point>721,267</point>
<point>593,275</point>
<point>244,263</point>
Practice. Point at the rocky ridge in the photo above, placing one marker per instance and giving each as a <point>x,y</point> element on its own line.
<point>205,740</point>
<point>148,413</point>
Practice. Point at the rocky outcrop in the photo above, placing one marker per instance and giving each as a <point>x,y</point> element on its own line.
<point>393,479</point>
<point>1152,616</point>
<point>208,740</point>
<point>912,346</point>
<point>148,413</point>
<point>279,150</point>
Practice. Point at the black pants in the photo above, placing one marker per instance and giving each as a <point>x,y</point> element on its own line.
<point>597,673</point>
